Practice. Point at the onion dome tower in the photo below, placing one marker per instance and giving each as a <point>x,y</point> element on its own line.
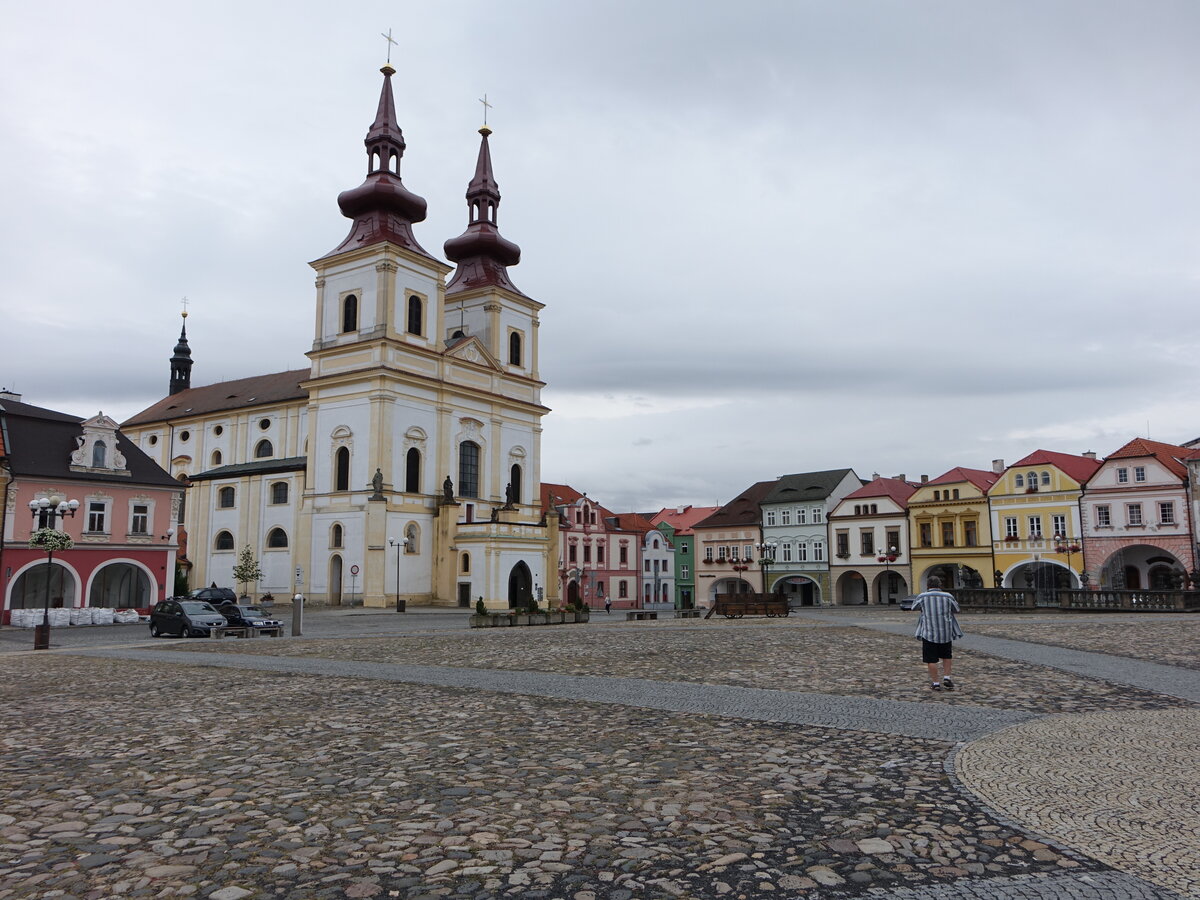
<point>481,253</point>
<point>382,208</point>
<point>181,362</point>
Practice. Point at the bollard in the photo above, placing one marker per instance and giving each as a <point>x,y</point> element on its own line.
<point>298,614</point>
<point>401,605</point>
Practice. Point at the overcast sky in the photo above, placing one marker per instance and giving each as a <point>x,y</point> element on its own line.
<point>771,237</point>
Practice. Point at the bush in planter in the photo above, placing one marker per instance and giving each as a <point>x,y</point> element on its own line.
<point>480,609</point>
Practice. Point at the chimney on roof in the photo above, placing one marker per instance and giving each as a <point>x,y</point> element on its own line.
<point>1089,454</point>
<point>874,476</point>
<point>924,479</point>
<point>680,510</point>
<point>902,477</point>
<point>6,394</point>
<point>997,466</point>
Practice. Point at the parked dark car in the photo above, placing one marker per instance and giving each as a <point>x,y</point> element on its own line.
<point>247,616</point>
<point>184,618</point>
<point>214,595</point>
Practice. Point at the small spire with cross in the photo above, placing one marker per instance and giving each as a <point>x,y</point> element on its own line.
<point>486,107</point>
<point>390,43</point>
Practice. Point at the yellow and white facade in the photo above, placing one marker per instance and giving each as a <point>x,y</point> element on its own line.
<point>404,463</point>
<point>950,530</point>
<point>1037,534</point>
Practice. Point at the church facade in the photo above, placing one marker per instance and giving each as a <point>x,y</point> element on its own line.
<point>401,464</point>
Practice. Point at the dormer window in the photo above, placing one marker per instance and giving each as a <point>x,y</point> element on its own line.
<point>96,448</point>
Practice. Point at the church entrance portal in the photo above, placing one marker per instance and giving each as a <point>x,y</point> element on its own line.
<point>520,586</point>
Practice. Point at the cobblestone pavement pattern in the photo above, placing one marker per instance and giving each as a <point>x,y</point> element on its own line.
<point>327,774</point>
<point>785,656</point>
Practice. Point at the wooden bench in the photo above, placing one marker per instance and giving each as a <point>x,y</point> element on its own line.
<point>229,631</point>
<point>688,613</point>
<point>639,614</point>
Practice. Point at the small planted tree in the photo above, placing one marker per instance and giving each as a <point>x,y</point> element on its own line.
<point>247,570</point>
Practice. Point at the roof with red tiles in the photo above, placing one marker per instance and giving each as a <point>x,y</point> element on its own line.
<point>682,518</point>
<point>634,522</point>
<point>981,478</point>
<point>558,494</point>
<point>1170,455</point>
<point>241,393</point>
<point>892,488</point>
<point>1081,468</point>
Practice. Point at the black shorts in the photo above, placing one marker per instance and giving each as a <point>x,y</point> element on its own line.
<point>931,652</point>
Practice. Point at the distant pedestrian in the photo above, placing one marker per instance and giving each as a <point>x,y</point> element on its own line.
<point>608,605</point>
<point>937,628</point>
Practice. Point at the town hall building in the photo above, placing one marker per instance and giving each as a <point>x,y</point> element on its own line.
<point>402,465</point>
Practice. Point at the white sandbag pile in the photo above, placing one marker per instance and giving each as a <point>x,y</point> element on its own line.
<point>125,617</point>
<point>102,616</point>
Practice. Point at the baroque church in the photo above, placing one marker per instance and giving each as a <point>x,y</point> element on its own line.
<point>403,464</point>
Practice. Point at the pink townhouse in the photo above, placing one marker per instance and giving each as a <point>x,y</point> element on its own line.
<point>120,512</point>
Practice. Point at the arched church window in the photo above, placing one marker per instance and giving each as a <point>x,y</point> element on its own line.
<point>350,313</point>
<point>335,536</point>
<point>412,471</point>
<point>341,469</point>
<point>99,455</point>
<point>279,492</point>
<point>514,349</point>
<point>223,541</point>
<point>263,449</point>
<point>225,498</point>
<point>465,566</point>
<point>216,457</point>
<point>468,469</point>
<point>277,539</point>
<point>514,478</point>
<point>414,315</point>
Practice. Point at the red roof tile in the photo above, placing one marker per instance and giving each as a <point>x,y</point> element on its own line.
<point>981,478</point>
<point>892,488</point>
<point>634,522</point>
<point>240,393</point>
<point>1081,468</point>
<point>682,521</point>
<point>1170,455</point>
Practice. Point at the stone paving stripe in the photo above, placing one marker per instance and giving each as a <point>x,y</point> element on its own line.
<point>933,721</point>
<point>1168,680</point>
<point>1085,886</point>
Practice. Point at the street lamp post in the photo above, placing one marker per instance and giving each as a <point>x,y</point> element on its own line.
<point>401,605</point>
<point>1062,545</point>
<point>46,512</point>
<point>887,559</point>
<point>766,558</point>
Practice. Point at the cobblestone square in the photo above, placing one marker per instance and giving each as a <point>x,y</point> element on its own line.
<point>750,759</point>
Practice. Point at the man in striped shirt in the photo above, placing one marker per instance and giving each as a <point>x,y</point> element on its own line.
<point>937,628</point>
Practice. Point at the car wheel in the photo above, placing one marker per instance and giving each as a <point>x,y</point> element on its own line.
<point>183,630</point>
<point>154,632</point>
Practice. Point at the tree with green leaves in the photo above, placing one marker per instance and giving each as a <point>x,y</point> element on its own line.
<point>247,570</point>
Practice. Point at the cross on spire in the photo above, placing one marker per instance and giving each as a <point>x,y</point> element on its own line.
<point>390,42</point>
<point>486,107</point>
<point>184,302</point>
